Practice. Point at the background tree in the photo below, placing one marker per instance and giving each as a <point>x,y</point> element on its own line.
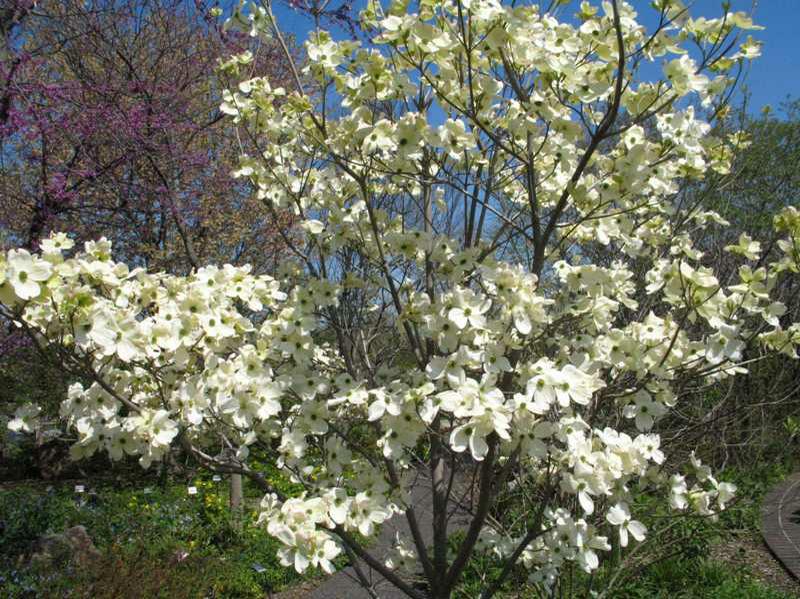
<point>112,128</point>
<point>737,420</point>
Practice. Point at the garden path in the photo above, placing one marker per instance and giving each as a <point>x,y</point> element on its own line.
<point>344,584</point>
<point>780,523</point>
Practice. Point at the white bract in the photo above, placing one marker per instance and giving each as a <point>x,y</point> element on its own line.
<point>439,308</point>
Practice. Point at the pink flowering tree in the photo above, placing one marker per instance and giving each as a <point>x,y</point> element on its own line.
<point>110,126</point>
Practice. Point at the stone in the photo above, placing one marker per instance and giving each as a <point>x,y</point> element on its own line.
<point>53,460</point>
<point>71,546</point>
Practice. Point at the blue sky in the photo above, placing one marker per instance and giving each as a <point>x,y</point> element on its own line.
<point>771,78</point>
<point>776,74</point>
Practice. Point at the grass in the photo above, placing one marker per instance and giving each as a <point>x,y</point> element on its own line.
<point>681,578</point>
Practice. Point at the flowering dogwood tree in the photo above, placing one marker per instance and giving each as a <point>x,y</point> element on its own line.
<point>439,318</point>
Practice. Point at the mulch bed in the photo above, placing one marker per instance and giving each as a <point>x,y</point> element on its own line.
<point>748,551</point>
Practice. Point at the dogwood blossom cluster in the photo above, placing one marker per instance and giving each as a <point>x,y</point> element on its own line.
<point>440,298</point>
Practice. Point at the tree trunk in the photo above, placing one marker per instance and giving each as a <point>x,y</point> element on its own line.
<point>236,498</point>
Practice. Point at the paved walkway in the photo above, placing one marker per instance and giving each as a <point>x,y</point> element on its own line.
<point>345,585</point>
<point>780,523</point>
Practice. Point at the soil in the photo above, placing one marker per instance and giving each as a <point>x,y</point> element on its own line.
<point>299,592</point>
<point>749,551</point>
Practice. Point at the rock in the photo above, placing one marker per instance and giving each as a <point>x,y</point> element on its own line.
<point>73,545</point>
<point>53,460</point>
